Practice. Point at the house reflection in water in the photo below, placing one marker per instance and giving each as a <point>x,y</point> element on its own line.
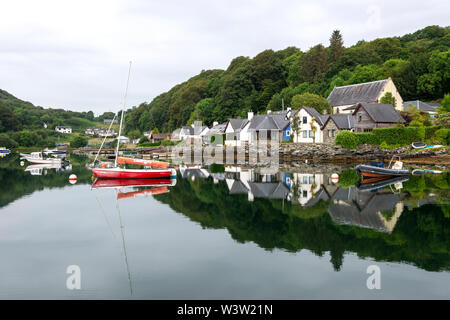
<point>378,209</point>
<point>264,184</point>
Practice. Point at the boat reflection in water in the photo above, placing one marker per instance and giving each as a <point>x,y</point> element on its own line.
<point>42,169</point>
<point>152,186</point>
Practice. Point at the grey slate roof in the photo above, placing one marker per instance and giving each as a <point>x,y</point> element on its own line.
<point>343,121</point>
<point>269,190</point>
<point>422,106</point>
<point>188,130</point>
<point>237,124</point>
<point>381,112</point>
<point>320,118</point>
<point>361,208</point>
<point>268,122</point>
<point>218,129</point>
<point>355,93</point>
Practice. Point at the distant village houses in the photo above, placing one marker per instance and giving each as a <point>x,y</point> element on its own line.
<point>108,121</point>
<point>63,129</point>
<point>102,132</point>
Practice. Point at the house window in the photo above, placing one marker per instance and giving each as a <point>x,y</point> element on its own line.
<point>367,130</point>
<point>305,134</point>
<point>359,117</point>
<point>311,134</point>
<point>305,119</point>
<point>305,194</point>
<point>311,180</point>
<point>288,133</point>
<point>305,180</point>
<point>329,133</point>
<point>334,133</point>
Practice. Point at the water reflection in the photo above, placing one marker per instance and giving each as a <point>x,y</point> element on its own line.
<point>296,208</point>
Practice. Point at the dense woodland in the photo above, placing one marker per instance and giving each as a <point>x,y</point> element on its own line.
<point>419,64</point>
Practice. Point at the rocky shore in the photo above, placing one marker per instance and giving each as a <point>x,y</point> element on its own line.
<point>312,153</point>
<point>335,154</point>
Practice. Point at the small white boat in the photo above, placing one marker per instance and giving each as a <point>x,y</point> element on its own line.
<point>38,158</point>
<point>4,152</point>
<point>54,152</point>
<point>423,145</point>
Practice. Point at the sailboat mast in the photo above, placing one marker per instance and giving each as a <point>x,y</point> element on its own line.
<point>121,117</point>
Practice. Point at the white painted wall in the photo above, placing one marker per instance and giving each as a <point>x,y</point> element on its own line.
<point>298,137</point>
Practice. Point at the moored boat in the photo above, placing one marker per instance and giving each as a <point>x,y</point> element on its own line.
<point>4,152</point>
<point>143,162</point>
<point>373,171</point>
<point>38,158</point>
<point>120,173</point>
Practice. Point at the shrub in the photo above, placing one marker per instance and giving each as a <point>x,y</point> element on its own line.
<point>166,142</point>
<point>150,144</point>
<point>78,142</point>
<point>442,136</point>
<point>143,139</point>
<point>430,131</point>
<point>348,178</point>
<point>347,139</point>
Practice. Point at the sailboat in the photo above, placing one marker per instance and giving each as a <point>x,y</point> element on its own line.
<point>116,172</point>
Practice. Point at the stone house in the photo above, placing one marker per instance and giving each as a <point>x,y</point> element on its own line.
<point>334,124</point>
<point>343,99</point>
<point>368,116</point>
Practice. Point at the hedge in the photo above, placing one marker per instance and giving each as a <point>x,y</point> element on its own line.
<point>442,136</point>
<point>391,136</point>
<point>400,135</point>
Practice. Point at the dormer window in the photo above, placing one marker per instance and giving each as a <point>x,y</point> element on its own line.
<point>305,119</point>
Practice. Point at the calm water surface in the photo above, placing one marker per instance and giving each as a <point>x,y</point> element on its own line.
<point>238,234</point>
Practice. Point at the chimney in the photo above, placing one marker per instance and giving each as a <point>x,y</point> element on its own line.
<point>269,111</point>
<point>250,115</point>
<point>288,109</point>
<point>215,123</point>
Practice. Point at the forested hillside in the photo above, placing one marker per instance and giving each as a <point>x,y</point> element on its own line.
<point>22,123</point>
<point>419,64</point>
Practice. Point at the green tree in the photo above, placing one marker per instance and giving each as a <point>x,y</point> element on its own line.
<point>336,46</point>
<point>78,141</point>
<point>388,98</point>
<point>311,100</point>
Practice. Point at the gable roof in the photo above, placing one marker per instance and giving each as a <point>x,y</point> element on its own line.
<point>320,118</point>
<point>342,121</point>
<point>356,93</point>
<point>219,128</point>
<point>187,130</point>
<point>422,106</point>
<point>237,124</point>
<point>380,112</point>
<point>268,122</point>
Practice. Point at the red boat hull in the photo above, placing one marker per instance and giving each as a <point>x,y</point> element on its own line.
<point>117,183</point>
<point>374,175</point>
<point>115,173</point>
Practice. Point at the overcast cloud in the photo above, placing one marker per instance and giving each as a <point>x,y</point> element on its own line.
<point>74,54</point>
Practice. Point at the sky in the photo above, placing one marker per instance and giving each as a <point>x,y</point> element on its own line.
<point>74,54</point>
